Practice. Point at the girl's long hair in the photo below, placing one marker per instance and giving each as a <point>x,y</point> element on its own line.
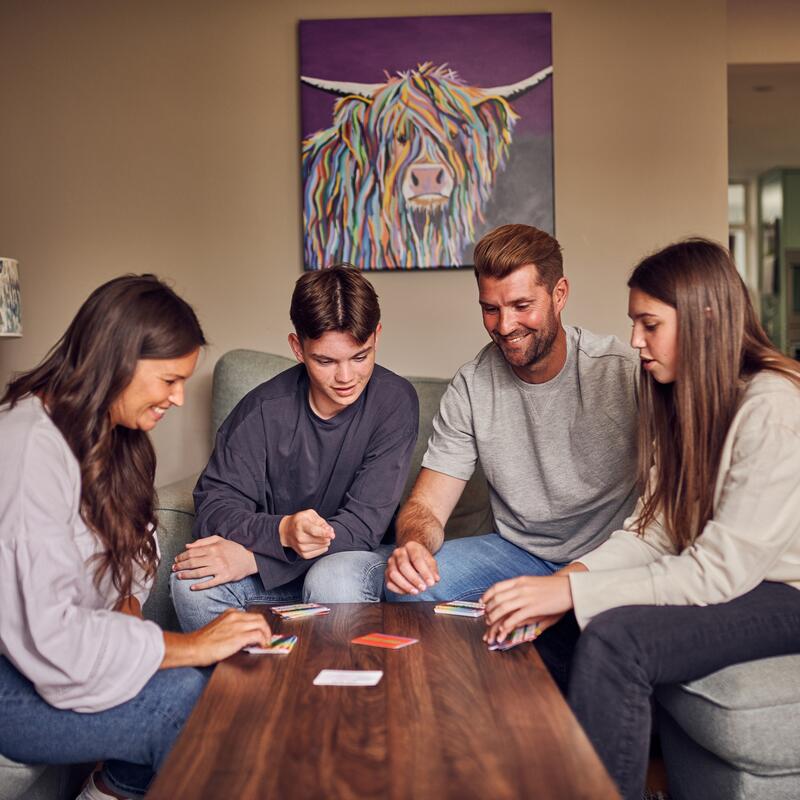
<point>683,425</point>
<point>128,318</point>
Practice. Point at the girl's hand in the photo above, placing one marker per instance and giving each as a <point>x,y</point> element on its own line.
<point>525,600</point>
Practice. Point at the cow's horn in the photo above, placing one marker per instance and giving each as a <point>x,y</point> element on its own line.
<point>516,89</point>
<point>366,90</point>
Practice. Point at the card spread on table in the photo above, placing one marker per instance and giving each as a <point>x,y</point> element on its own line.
<point>278,646</point>
<point>299,610</point>
<point>384,640</point>
<point>527,633</point>
<point>460,608</point>
<point>348,677</point>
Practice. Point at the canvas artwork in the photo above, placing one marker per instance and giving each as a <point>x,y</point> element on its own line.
<point>422,133</point>
<point>10,311</point>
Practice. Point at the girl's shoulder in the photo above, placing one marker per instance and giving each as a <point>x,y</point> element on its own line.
<point>772,396</point>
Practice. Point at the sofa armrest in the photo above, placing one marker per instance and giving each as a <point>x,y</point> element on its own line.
<point>175,509</point>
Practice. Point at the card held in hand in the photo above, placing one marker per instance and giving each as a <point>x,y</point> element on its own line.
<point>527,633</point>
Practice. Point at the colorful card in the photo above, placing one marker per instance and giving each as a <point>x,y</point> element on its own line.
<point>348,677</point>
<point>278,646</point>
<point>384,640</point>
<point>527,633</point>
<point>460,608</point>
<point>299,610</point>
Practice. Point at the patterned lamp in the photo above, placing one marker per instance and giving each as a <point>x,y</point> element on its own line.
<point>10,305</point>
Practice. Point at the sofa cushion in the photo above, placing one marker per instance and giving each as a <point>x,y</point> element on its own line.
<point>745,714</point>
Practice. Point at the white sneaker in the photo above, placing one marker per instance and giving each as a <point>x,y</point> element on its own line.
<point>91,792</point>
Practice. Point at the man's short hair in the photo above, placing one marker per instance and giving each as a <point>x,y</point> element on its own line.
<point>338,298</point>
<point>509,247</point>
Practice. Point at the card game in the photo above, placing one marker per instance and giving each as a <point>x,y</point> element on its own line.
<point>384,640</point>
<point>300,610</point>
<point>278,646</point>
<point>348,677</point>
<point>527,633</point>
<point>460,608</point>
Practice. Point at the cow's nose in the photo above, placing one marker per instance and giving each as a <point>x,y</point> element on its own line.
<point>427,179</point>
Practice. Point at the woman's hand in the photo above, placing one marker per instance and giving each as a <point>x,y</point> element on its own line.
<point>226,635</point>
<point>218,559</point>
<point>523,601</point>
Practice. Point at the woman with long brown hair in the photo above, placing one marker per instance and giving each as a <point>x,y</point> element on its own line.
<point>84,678</point>
<point>706,571</point>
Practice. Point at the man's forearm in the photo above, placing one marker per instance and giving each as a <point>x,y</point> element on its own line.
<point>417,523</point>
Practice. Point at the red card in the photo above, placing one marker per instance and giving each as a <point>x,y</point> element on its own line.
<point>384,640</point>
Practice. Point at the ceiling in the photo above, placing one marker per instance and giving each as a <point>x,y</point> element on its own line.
<point>763,123</point>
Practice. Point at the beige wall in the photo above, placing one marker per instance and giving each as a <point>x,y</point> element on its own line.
<point>163,136</point>
<point>763,31</point>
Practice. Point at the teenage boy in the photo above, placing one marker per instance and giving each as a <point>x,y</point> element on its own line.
<point>308,469</point>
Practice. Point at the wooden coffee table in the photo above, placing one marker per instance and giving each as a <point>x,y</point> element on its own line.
<point>449,719</point>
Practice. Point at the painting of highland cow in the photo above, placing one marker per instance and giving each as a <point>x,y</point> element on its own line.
<point>422,133</point>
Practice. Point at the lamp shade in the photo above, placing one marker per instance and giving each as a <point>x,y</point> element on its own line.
<point>10,303</point>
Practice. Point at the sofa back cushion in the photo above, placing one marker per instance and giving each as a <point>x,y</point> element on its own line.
<point>239,371</point>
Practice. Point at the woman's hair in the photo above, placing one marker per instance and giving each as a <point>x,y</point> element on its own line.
<point>128,318</point>
<point>683,425</point>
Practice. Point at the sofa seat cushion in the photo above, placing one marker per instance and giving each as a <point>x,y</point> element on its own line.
<point>745,714</point>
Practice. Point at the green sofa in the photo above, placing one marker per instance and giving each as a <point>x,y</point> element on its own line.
<point>729,736</point>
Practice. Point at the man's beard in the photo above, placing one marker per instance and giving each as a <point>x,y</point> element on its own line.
<point>536,345</point>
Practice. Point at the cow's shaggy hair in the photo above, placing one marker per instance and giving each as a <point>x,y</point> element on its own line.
<point>353,172</point>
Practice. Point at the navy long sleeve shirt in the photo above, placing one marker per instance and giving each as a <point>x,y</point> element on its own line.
<point>274,456</point>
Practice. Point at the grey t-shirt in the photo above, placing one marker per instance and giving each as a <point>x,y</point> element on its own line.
<point>560,457</point>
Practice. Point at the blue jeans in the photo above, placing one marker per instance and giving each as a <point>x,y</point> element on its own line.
<point>352,577</point>
<point>624,653</point>
<point>133,738</point>
<point>468,567</point>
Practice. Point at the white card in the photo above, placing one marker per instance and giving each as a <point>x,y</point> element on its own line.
<point>348,677</point>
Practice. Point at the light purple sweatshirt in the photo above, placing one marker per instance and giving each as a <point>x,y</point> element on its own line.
<point>56,626</point>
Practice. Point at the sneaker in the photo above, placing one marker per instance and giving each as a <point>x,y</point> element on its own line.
<point>91,792</point>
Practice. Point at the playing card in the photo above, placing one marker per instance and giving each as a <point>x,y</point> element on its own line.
<point>279,646</point>
<point>527,633</point>
<point>348,677</point>
<point>460,608</point>
<point>299,610</point>
<point>384,640</point>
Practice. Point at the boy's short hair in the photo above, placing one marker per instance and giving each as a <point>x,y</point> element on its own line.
<point>337,298</point>
<point>509,247</point>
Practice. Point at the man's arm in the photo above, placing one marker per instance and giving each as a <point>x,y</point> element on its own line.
<point>420,531</point>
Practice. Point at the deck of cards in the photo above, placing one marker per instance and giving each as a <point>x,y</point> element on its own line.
<point>300,610</point>
<point>278,646</point>
<point>384,640</point>
<point>527,633</point>
<point>460,608</point>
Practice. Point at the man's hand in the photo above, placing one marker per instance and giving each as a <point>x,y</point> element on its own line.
<point>523,601</point>
<point>221,560</point>
<point>411,569</point>
<point>307,533</point>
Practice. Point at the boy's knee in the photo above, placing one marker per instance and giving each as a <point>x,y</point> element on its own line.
<point>355,577</point>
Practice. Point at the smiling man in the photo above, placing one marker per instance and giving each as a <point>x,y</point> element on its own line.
<point>549,410</point>
<point>307,470</point>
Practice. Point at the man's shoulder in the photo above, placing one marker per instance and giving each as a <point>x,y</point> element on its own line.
<point>603,351</point>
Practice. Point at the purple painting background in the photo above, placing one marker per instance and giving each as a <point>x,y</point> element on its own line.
<point>485,50</point>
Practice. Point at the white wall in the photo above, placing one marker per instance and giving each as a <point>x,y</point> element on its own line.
<point>164,137</point>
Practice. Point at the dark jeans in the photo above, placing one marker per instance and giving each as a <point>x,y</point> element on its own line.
<point>613,667</point>
<point>132,738</point>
